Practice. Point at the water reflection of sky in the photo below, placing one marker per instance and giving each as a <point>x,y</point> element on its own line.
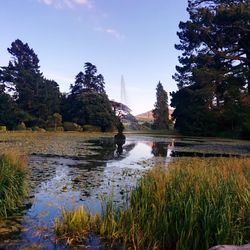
<point>141,151</point>
<point>112,178</point>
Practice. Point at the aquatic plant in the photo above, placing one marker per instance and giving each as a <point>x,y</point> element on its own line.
<point>190,204</point>
<point>13,183</point>
<point>74,226</point>
<point>195,204</point>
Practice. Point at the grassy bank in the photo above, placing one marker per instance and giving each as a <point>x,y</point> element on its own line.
<point>13,184</point>
<point>195,204</point>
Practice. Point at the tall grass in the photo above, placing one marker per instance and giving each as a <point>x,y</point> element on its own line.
<point>13,184</point>
<point>194,204</point>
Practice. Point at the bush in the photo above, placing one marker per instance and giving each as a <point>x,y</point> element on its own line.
<point>3,128</point>
<point>21,126</point>
<point>71,126</point>
<point>13,183</point>
<point>91,128</point>
<point>60,129</point>
<point>37,129</point>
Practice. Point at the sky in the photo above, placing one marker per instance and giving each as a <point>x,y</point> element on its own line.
<point>133,38</point>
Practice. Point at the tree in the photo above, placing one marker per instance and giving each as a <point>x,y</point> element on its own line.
<point>7,110</point>
<point>215,65</point>
<point>55,120</point>
<point>33,94</point>
<point>87,102</point>
<point>94,109</point>
<point>160,113</point>
<point>88,81</point>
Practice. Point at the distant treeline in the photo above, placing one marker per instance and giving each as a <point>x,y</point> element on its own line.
<point>29,100</point>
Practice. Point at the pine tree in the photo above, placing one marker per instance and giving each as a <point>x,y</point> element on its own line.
<point>88,81</point>
<point>160,113</point>
<point>34,95</point>
<point>214,75</point>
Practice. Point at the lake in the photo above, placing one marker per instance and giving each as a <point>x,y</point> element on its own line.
<point>71,169</point>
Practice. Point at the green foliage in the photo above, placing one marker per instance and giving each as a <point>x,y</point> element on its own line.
<point>88,81</point>
<point>3,128</point>
<point>94,109</point>
<point>7,110</point>
<point>75,225</point>
<point>71,126</point>
<point>91,128</point>
<point>214,74</point>
<point>13,183</point>
<point>160,113</point>
<point>21,126</point>
<point>33,94</point>
<point>54,121</point>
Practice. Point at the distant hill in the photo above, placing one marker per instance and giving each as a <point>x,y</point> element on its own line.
<point>148,116</point>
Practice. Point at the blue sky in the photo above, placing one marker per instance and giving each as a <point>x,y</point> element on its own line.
<point>133,38</point>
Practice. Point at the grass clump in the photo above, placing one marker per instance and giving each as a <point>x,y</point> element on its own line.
<point>194,204</point>
<point>13,183</point>
<point>74,226</point>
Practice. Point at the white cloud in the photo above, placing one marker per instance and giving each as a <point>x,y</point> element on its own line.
<point>112,32</point>
<point>59,4</point>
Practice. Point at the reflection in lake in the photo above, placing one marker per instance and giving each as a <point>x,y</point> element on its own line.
<point>119,140</point>
<point>108,170</point>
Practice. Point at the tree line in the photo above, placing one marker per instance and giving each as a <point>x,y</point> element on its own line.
<point>27,97</point>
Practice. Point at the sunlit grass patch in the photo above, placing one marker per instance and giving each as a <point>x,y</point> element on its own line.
<point>74,226</point>
<point>13,183</point>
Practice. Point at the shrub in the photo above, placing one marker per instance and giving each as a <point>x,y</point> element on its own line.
<point>91,128</point>
<point>59,129</point>
<point>3,128</point>
<point>71,126</point>
<point>13,183</point>
<point>37,129</point>
<point>21,126</point>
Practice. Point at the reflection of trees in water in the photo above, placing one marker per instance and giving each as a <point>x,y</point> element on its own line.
<point>160,149</point>
<point>119,140</point>
<point>87,175</point>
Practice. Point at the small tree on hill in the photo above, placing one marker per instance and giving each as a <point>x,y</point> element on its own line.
<point>160,113</point>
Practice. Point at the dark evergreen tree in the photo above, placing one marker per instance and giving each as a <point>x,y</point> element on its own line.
<point>160,113</point>
<point>34,95</point>
<point>7,110</point>
<point>94,109</point>
<point>88,81</point>
<point>87,102</point>
<point>214,66</point>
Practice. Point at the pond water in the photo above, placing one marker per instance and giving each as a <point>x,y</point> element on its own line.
<point>100,173</point>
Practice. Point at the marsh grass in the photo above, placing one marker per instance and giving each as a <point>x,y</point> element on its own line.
<point>13,183</point>
<point>195,203</point>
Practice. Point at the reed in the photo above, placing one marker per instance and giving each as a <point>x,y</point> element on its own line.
<point>191,204</point>
<point>13,183</point>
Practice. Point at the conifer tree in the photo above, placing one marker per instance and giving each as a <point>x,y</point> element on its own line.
<point>160,113</point>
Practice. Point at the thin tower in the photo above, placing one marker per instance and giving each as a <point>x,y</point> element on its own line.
<point>123,91</point>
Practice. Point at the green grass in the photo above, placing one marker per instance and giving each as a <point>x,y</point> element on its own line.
<point>13,183</point>
<point>192,204</point>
